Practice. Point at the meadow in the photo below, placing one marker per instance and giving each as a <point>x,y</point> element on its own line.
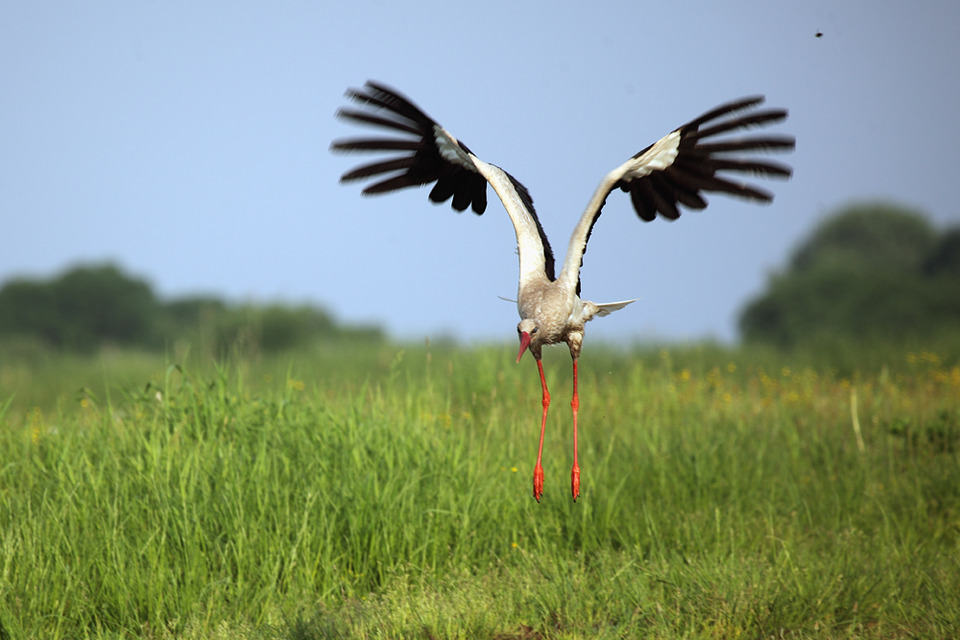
<point>385,492</point>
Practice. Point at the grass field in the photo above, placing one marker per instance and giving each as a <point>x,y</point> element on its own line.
<point>386,493</point>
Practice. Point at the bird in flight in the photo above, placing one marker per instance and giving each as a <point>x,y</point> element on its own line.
<point>674,171</point>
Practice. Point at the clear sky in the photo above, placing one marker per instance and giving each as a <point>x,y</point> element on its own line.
<point>189,142</point>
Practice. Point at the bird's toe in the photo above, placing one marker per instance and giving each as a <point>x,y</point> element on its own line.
<point>538,482</point>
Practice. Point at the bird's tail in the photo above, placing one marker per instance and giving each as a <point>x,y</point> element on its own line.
<point>606,308</point>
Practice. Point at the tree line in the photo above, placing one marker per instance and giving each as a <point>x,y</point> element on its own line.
<point>92,306</point>
<point>871,273</point>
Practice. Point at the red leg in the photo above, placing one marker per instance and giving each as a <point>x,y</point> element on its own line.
<point>538,470</point>
<point>575,405</point>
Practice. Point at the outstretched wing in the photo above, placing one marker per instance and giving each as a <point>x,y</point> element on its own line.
<point>430,154</point>
<point>683,165</point>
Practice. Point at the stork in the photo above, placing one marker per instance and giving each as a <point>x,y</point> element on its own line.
<point>675,170</point>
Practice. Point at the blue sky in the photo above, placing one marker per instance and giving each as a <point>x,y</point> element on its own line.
<point>189,142</point>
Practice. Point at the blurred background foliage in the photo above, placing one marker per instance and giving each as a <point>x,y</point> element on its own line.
<point>91,307</point>
<point>871,272</point>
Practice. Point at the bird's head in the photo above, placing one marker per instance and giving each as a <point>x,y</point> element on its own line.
<point>526,331</point>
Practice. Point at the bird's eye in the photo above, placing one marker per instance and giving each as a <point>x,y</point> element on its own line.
<point>535,329</point>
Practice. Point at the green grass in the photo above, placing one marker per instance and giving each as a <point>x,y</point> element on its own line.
<point>385,493</point>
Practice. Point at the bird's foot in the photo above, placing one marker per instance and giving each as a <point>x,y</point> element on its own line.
<point>575,482</point>
<point>538,482</point>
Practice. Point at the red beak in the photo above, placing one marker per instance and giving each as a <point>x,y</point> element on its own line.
<point>524,343</point>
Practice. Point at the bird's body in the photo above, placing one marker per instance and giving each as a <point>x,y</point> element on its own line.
<point>556,311</point>
<point>673,171</point>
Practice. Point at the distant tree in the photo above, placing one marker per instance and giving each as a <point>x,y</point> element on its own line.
<point>942,267</point>
<point>81,309</point>
<point>286,327</point>
<point>274,328</point>
<point>944,260</point>
<point>90,306</point>
<point>873,271</point>
<point>193,319</point>
<point>29,308</point>
<point>190,312</point>
<point>874,236</point>
<point>100,304</point>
